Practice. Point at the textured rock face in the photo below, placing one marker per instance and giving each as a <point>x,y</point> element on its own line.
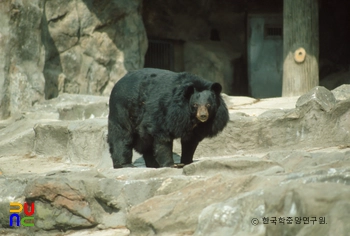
<point>262,176</point>
<point>52,47</point>
<point>213,61</point>
<point>283,159</point>
<point>316,121</point>
<point>21,56</point>
<point>94,44</point>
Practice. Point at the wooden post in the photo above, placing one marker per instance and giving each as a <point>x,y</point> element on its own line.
<point>300,46</point>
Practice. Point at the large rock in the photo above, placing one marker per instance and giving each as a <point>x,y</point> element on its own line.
<point>94,45</point>
<point>22,56</point>
<point>272,160</point>
<point>52,47</point>
<point>317,121</point>
<point>79,142</point>
<point>17,139</point>
<point>213,61</point>
<point>293,184</point>
<point>178,211</point>
<point>61,124</point>
<point>318,98</point>
<point>78,197</point>
<point>275,211</point>
<point>342,92</point>
<point>56,129</point>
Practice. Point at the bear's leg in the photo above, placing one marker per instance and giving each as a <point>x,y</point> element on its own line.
<point>188,147</point>
<point>120,146</point>
<point>122,154</point>
<point>163,153</point>
<point>150,160</point>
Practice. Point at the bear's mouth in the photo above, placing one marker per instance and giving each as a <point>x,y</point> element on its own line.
<point>202,119</point>
<point>202,114</point>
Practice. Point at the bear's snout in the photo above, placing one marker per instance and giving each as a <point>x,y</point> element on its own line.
<point>202,113</point>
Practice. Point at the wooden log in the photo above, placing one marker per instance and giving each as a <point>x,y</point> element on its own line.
<point>300,46</point>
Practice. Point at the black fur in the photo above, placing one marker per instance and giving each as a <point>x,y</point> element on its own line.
<point>149,108</point>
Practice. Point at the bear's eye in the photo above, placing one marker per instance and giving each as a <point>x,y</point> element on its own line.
<point>195,105</point>
<point>208,105</point>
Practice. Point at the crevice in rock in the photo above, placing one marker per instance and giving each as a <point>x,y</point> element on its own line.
<point>67,49</point>
<point>57,18</point>
<point>106,207</point>
<point>101,26</point>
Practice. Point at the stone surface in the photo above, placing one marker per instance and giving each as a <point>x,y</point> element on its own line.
<point>53,47</point>
<point>319,97</point>
<point>282,157</point>
<point>342,92</point>
<point>211,60</point>
<point>301,125</point>
<point>92,47</point>
<point>21,56</point>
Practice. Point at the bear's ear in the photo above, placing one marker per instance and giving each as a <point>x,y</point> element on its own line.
<point>189,90</point>
<point>216,87</point>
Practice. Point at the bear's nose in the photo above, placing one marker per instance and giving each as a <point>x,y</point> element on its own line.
<point>202,114</point>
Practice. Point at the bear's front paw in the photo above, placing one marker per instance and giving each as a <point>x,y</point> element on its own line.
<point>117,165</point>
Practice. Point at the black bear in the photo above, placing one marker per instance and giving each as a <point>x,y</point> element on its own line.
<point>149,108</point>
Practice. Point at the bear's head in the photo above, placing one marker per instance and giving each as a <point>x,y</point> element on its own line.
<point>203,104</point>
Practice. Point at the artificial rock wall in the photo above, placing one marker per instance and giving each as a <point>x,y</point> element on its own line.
<point>70,46</point>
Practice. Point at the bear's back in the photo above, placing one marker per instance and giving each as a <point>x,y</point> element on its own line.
<point>143,80</point>
<point>152,84</point>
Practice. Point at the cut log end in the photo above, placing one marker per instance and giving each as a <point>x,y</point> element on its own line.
<point>299,55</point>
